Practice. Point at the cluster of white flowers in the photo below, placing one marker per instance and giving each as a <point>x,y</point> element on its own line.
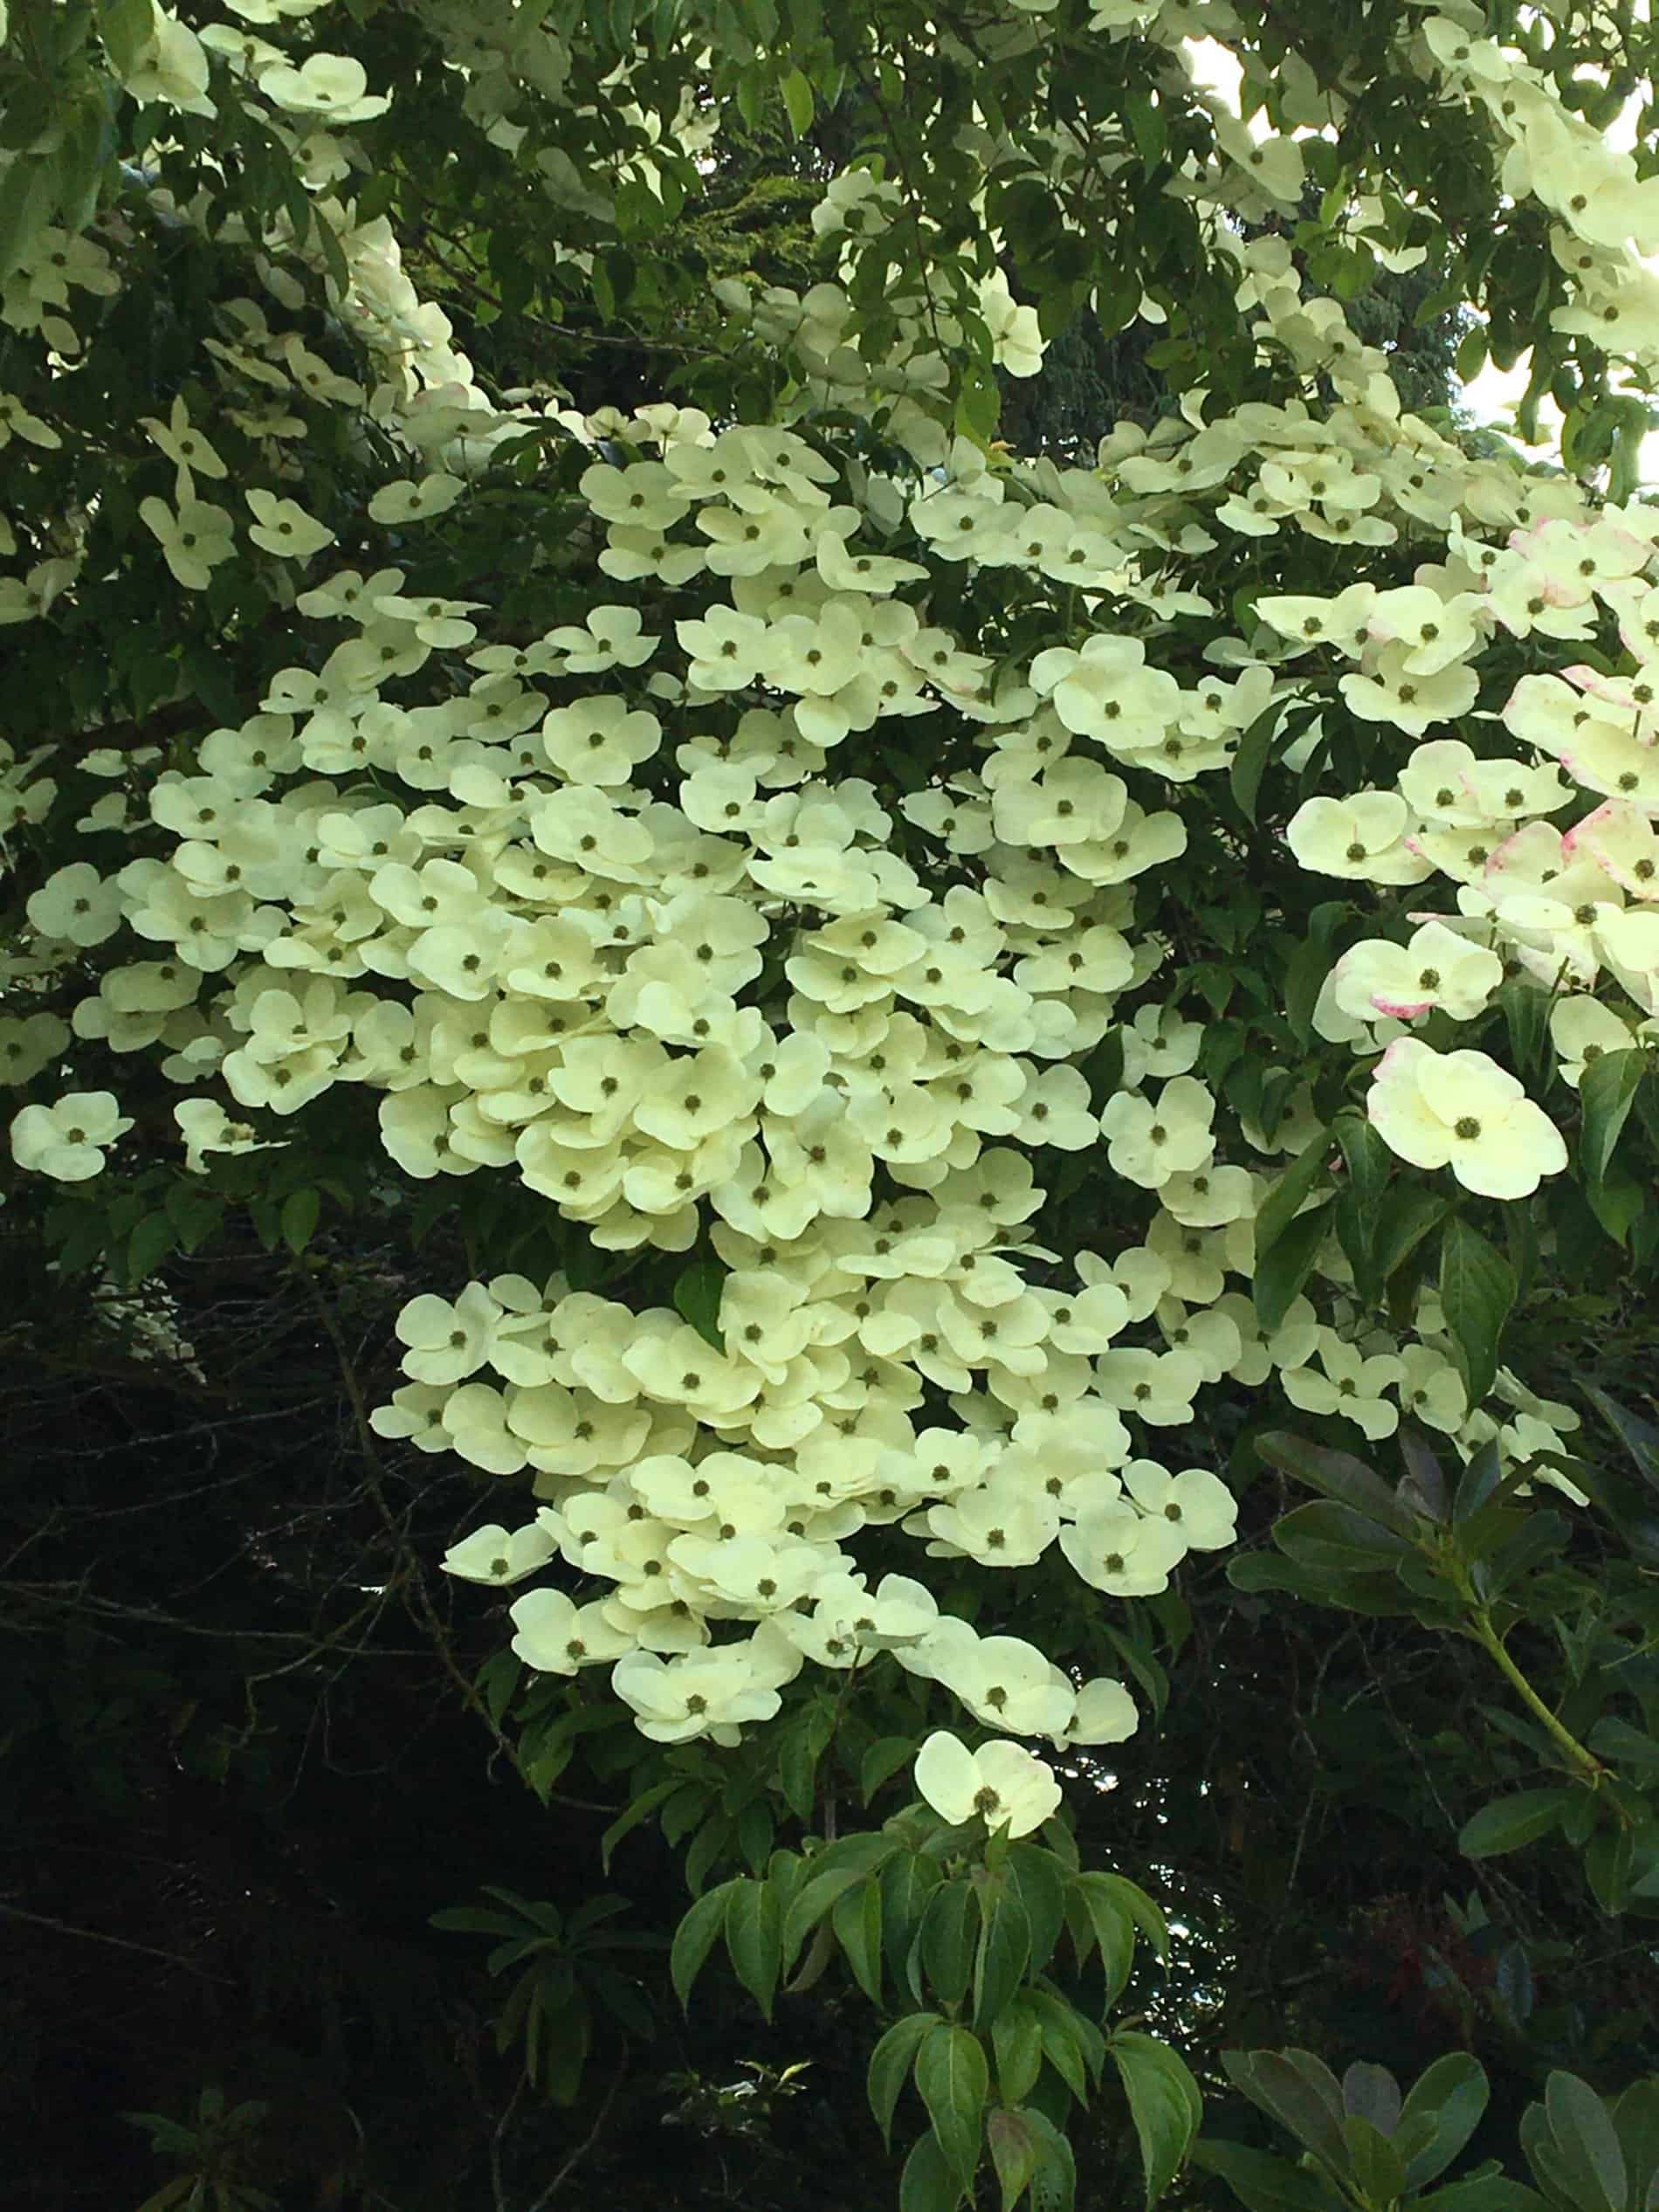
<point>766,1010</point>
<point>763,911</point>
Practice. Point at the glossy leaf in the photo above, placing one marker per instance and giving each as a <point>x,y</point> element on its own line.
<point>1477,1291</point>
<point>1282,1271</point>
<point>1016,2045</point>
<point>1259,2181</point>
<point>1606,1092</point>
<point>755,1938</point>
<point>1164,2103</point>
<point>927,2183</point>
<point>1442,2109</point>
<point>695,1938</point>
<point>948,1941</point>
<point>953,2080</point>
<point>1337,1475</point>
<point>1013,2144</point>
<point>889,2065</point>
<point>856,1922</point>
<point>1509,1824</point>
<point>1587,2144</point>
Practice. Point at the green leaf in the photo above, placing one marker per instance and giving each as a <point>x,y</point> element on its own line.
<point>1139,1907</point>
<point>1061,2029</point>
<point>953,2080</point>
<point>1609,1858</point>
<point>1105,1921</point>
<point>1379,1595</point>
<point>947,1945</point>
<point>1509,1822</point>
<point>300,1210</point>
<point>798,1768</point>
<point>1411,1216</point>
<point>1606,1092</point>
<point>1149,130</point>
<point>1250,758</point>
<point>756,1830</point>
<point>1015,2152</point>
<point>1477,1291</point>
<point>28,194</point>
<point>472,1920</point>
<point>1285,1200</point>
<point>1470,357</point>
<point>1260,2182</point>
<point>125,27</point>
<point>1164,2103</point>
<point>498,1679</point>
<point>1309,965</point>
<point>151,1242</point>
<point>754,1938</point>
<point>1338,1476</point>
<point>697,1298</point>
<point>797,100</point>
<point>1526,1016</point>
<point>1639,1437</point>
<point>196,1214</point>
<point>1003,1952</point>
<point>1618,1204</point>
<point>694,1938</point>
<point>1041,1880</point>
<point>1592,2162</point>
<point>710,1844</point>
<point>927,2184</point>
<point>857,1923</point>
<point>1299,2092</point>
<point>1016,2043</point>
<point>907,1881</point>
<point>1614,1739</point>
<point>1369,1163</point>
<point>1054,2188</point>
<point>834,1871</point>
<point>1367,1159</point>
<point>1483,2193</point>
<point>882,1762</point>
<point>1279,1278</point>
<point>1636,2115</point>
<point>889,2065</point>
<point>1377,2166</point>
<point>1442,2109</point>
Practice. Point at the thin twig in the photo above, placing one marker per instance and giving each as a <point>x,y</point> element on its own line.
<point>586,2143</point>
<point>409,1576</point>
<point>115,1942</point>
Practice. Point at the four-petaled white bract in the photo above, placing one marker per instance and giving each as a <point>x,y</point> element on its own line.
<point>1462,1110</point>
<point>67,1140</point>
<point>1007,1787</point>
<point>494,1554</point>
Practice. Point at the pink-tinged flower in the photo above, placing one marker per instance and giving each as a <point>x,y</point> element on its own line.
<point>1621,840</point>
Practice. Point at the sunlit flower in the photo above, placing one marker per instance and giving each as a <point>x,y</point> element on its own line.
<point>1007,1787</point>
<point>1461,1109</point>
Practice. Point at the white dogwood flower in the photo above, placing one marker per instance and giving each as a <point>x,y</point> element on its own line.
<point>1005,1785</point>
<point>67,1140</point>
<point>1461,1109</point>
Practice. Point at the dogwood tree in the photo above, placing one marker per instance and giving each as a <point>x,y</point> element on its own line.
<point>915,975</point>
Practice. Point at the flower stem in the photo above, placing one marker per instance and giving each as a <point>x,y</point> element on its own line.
<point>1585,1763</point>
